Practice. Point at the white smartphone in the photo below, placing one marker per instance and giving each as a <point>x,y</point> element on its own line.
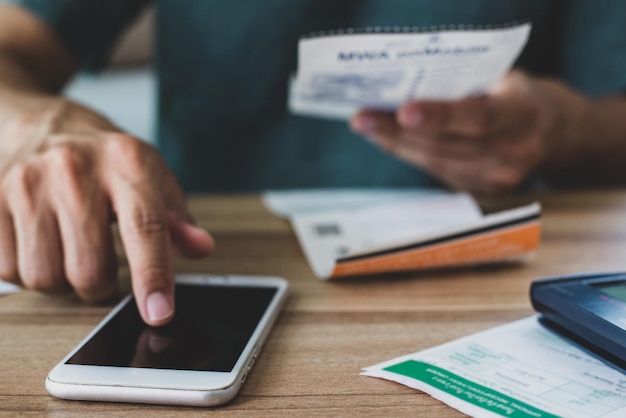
<point>201,358</point>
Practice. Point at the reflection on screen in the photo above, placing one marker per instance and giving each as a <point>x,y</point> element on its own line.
<point>616,290</point>
<point>210,329</point>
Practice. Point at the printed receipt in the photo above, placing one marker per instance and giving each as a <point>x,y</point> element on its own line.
<point>342,71</point>
<point>516,370</point>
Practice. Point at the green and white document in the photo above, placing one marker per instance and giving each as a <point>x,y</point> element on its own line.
<point>516,370</point>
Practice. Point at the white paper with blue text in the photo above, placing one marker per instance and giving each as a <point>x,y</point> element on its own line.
<point>342,71</point>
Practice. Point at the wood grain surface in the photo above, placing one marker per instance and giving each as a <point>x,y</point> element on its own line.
<point>329,331</point>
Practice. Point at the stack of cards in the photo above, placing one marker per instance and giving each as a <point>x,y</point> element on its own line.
<point>401,230</point>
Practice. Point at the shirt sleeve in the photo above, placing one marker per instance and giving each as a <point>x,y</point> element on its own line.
<point>593,48</point>
<point>88,28</point>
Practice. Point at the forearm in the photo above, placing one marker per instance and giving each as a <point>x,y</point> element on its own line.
<point>20,95</point>
<point>15,78</point>
<point>32,58</point>
<point>34,67</point>
<point>586,139</point>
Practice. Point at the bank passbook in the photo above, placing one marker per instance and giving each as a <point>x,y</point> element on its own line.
<point>491,238</point>
<point>352,233</point>
<point>342,71</point>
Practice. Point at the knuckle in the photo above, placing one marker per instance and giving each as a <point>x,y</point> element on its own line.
<point>23,181</point>
<point>144,223</point>
<point>96,295</point>
<point>42,280</point>
<point>67,162</point>
<point>25,175</point>
<point>153,275</point>
<point>8,272</point>
<point>130,151</point>
<point>87,271</point>
<point>71,167</point>
<point>93,278</point>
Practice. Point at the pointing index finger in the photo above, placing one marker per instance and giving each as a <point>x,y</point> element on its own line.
<point>143,225</point>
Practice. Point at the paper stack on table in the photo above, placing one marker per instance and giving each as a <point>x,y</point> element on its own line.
<point>342,71</point>
<point>401,230</point>
<point>519,370</point>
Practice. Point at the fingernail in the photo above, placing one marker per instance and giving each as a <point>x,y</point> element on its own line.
<point>411,118</point>
<point>159,307</point>
<point>204,230</point>
<point>365,123</point>
<point>207,234</point>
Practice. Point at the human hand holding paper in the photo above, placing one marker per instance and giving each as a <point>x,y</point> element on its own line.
<point>382,68</point>
<point>487,144</point>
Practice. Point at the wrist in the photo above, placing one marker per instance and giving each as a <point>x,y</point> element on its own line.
<point>32,123</point>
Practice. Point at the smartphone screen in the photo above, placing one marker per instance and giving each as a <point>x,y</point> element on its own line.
<point>210,329</point>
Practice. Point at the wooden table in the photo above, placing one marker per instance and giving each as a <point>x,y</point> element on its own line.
<point>329,331</point>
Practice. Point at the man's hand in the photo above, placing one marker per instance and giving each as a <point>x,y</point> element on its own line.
<point>485,144</point>
<point>65,175</point>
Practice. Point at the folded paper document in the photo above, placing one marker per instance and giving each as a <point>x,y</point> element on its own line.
<point>517,370</point>
<point>342,71</point>
<point>405,232</point>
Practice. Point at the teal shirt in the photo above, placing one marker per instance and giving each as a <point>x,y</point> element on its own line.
<point>223,67</point>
